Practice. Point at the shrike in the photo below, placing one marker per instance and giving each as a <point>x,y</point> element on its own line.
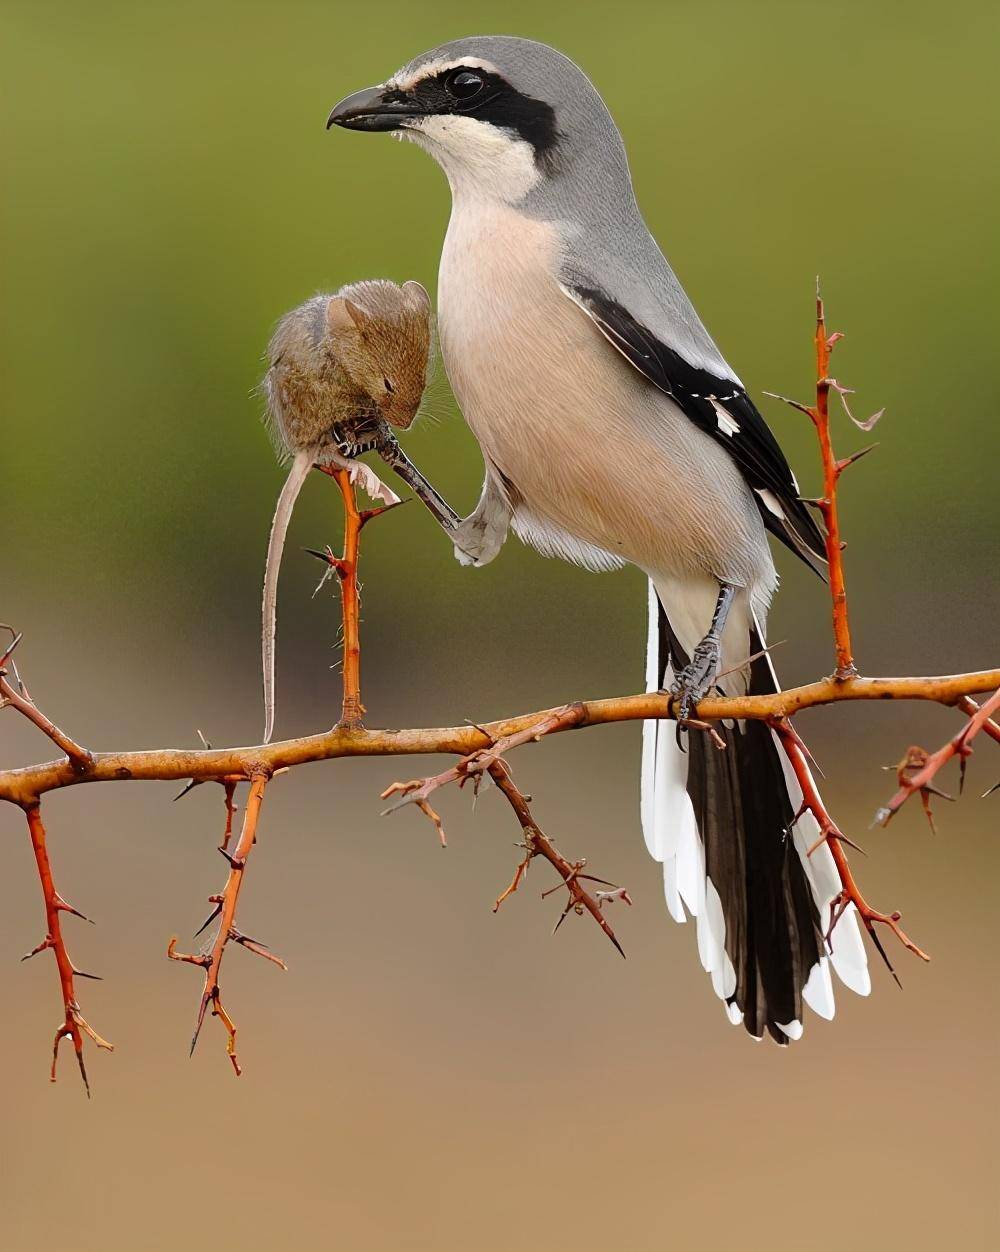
<point>614,431</point>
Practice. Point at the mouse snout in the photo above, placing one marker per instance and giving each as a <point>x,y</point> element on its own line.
<point>399,410</point>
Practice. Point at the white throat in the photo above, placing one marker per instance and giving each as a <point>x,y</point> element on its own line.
<point>480,161</point>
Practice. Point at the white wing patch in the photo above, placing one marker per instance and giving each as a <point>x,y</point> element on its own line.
<point>771,502</point>
<point>727,423</point>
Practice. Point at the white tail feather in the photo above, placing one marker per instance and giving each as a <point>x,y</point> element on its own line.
<point>672,838</point>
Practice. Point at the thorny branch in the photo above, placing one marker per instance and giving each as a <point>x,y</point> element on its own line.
<point>478,763</point>
<point>346,569</point>
<point>918,768</point>
<point>74,1025</point>
<point>225,910</point>
<point>536,843</point>
<point>80,759</point>
<point>833,837</point>
<point>819,415</point>
<point>482,748</point>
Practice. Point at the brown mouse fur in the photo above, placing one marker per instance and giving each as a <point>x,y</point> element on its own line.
<point>336,361</point>
<point>362,353</point>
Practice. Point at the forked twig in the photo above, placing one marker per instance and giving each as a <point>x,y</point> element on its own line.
<point>74,1025</point>
<point>225,909</point>
<point>537,843</point>
<point>476,764</point>
<point>819,415</point>
<point>918,768</point>
<point>79,758</point>
<point>831,835</point>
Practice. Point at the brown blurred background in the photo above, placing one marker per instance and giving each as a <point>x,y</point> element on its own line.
<point>426,1075</point>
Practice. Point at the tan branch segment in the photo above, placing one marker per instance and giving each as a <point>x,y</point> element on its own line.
<point>21,786</point>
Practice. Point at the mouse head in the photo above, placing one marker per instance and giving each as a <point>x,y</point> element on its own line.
<point>381,336</point>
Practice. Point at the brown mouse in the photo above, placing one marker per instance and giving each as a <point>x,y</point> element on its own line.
<point>338,366</point>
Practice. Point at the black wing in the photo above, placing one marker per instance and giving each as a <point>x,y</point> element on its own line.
<point>721,408</point>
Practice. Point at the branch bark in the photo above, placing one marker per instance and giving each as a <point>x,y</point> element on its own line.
<point>21,786</point>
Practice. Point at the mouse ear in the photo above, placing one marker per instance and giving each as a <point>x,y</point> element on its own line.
<point>417,295</point>
<point>343,314</point>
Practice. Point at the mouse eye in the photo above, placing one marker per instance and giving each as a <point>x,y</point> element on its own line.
<point>465,84</point>
<point>388,386</point>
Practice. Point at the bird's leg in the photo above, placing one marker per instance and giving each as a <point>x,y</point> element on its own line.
<point>695,679</point>
<point>389,451</point>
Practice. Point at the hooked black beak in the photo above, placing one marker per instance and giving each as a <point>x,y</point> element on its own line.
<point>369,110</point>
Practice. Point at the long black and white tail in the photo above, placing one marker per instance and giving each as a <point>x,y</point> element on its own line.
<point>720,822</point>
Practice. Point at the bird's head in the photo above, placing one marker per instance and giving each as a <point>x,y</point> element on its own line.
<point>499,114</point>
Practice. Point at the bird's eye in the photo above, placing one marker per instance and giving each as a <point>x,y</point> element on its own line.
<point>388,386</point>
<point>465,84</point>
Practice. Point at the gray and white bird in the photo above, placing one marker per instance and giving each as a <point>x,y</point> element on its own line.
<point>613,430</point>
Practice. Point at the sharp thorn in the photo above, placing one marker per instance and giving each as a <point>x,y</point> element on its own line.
<point>198,1024</point>
<point>195,782</point>
<point>68,908</point>
<point>562,916</point>
<point>208,920</point>
<point>882,953</point>
<point>855,457</point>
<point>936,791</point>
<point>603,881</point>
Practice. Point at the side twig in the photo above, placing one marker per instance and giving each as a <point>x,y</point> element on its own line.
<point>819,415</point>
<point>476,764</point>
<point>225,909</point>
<point>536,843</point>
<point>919,767</point>
<point>833,837</point>
<point>74,1025</point>
<point>79,758</point>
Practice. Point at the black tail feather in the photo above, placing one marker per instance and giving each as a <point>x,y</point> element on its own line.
<point>744,816</point>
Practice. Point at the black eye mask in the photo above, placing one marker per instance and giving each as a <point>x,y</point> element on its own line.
<point>487,96</point>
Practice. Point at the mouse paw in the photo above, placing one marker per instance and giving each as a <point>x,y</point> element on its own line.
<point>362,475</point>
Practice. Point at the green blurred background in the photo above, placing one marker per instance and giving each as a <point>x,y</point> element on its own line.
<point>427,1076</point>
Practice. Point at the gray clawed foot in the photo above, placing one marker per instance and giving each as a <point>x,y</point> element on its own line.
<point>695,680</point>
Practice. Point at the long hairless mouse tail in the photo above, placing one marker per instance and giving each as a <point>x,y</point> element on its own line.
<point>297,475</point>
